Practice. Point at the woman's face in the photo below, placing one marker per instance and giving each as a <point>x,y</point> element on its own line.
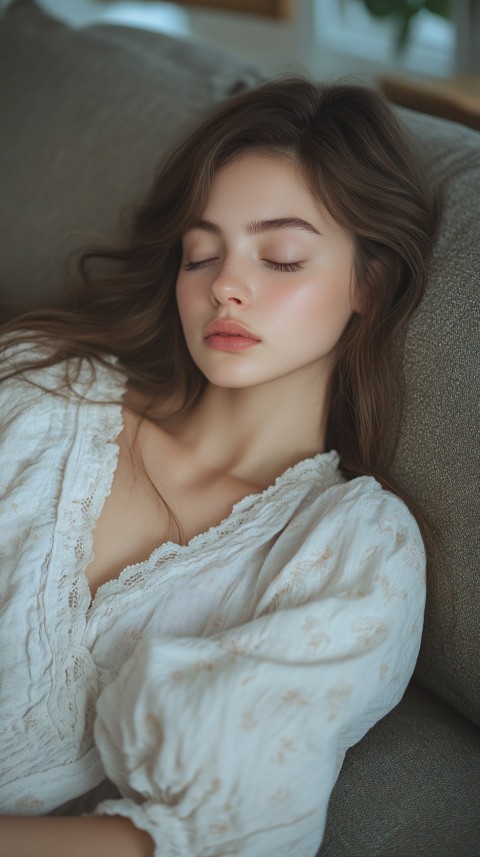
<point>266,256</point>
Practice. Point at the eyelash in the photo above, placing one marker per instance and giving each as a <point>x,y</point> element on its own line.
<point>194,266</point>
<point>286,267</point>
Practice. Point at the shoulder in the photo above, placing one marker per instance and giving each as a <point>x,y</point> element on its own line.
<point>43,408</point>
<point>362,504</point>
<point>362,528</point>
<point>382,523</point>
<point>58,425</point>
<point>354,557</point>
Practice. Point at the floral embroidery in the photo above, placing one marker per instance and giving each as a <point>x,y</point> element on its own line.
<point>177,675</point>
<point>413,557</point>
<point>336,698</point>
<point>371,551</point>
<point>217,621</point>
<point>387,524</point>
<point>278,797</point>
<point>390,591</point>
<point>286,746</point>
<point>153,728</point>
<point>369,629</point>
<point>248,721</point>
<point>309,623</point>
<point>294,697</point>
<point>219,827</point>
<point>305,566</point>
<point>235,648</point>
<point>204,665</point>
<point>215,785</point>
<point>319,641</point>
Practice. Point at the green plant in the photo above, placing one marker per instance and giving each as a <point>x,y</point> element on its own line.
<point>404,11</point>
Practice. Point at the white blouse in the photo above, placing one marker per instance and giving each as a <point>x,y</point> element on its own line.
<point>217,684</point>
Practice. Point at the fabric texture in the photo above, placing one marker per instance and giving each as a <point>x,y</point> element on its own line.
<point>410,788</point>
<point>231,673</point>
<point>86,117</point>
<point>438,457</point>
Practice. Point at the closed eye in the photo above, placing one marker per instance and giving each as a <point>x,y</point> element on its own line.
<point>287,267</point>
<point>194,266</point>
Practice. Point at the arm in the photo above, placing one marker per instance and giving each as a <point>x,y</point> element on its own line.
<point>232,744</point>
<point>79,837</point>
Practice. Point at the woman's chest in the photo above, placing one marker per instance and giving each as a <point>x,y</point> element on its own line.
<point>150,504</point>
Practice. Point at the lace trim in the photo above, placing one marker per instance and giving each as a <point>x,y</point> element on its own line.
<point>76,679</point>
<point>322,464</point>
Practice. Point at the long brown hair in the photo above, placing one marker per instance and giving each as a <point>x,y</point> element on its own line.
<point>359,164</point>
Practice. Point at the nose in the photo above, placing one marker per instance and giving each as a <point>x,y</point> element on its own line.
<point>229,288</point>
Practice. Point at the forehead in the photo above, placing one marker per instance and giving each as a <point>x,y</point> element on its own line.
<point>259,187</point>
<point>256,178</point>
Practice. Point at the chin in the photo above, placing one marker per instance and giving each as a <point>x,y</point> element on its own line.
<point>231,384</point>
<point>229,380</point>
<point>226,376</point>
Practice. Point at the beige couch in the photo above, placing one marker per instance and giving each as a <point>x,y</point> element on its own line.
<point>85,116</point>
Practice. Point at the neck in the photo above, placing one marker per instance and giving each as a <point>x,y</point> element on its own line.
<point>257,432</point>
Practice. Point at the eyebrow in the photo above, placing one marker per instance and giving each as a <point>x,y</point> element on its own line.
<point>259,226</point>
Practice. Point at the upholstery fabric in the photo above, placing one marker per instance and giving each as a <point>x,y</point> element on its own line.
<point>438,458</point>
<point>86,115</point>
<point>410,788</point>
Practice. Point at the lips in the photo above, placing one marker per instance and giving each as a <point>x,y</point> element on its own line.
<point>227,328</point>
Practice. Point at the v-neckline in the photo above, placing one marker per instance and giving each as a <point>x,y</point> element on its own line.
<point>100,424</point>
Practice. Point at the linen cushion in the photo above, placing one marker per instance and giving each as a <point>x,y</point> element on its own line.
<point>410,787</point>
<point>438,458</point>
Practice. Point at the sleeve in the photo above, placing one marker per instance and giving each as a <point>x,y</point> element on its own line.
<point>231,744</point>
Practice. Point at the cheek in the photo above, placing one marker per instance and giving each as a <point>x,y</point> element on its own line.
<point>336,300</point>
<point>322,299</point>
<point>315,313</point>
<point>186,301</point>
<point>335,288</point>
<point>180,291</point>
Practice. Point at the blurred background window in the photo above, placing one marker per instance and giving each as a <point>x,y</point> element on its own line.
<point>327,38</point>
<point>348,28</point>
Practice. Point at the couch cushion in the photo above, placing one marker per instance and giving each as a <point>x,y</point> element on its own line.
<point>438,458</point>
<point>86,115</point>
<point>410,787</point>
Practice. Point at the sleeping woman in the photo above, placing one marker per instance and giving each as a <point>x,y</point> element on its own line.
<point>211,586</point>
